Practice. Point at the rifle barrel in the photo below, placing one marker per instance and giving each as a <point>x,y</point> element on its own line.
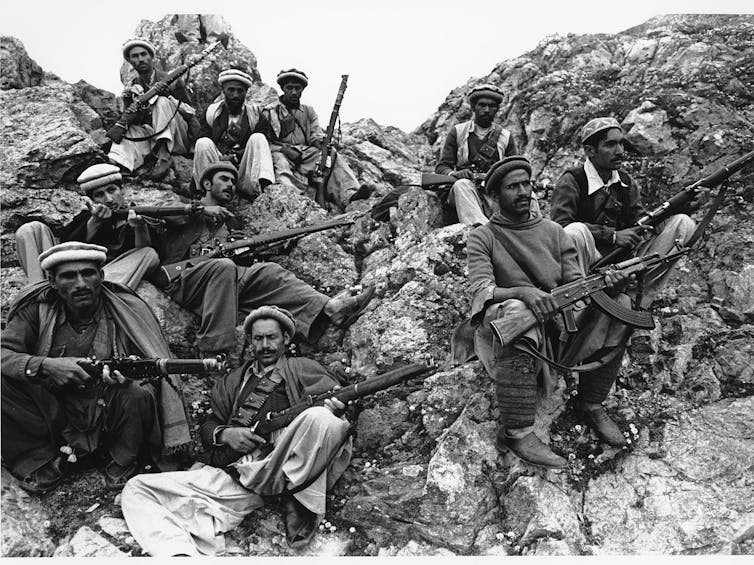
<point>155,211</point>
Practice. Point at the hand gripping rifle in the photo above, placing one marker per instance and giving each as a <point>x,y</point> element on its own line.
<point>158,211</point>
<point>681,199</point>
<point>592,286</point>
<point>236,249</point>
<point>151,370</point>
<point>118,131</point>
<point>321,174</point>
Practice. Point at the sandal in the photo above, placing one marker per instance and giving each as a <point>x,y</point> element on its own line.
<point>300,524</point>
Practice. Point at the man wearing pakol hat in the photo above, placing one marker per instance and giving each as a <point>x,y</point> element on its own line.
<point>217,289</point>
<point>514,261</point>
<point>470,149</point>
<point>597,204</point>
<point>53,411</point>
<point>162,129</point>
<point>129,255</point>
<point>230,131</point>
<point>299,462</point>
<point>296,139</point>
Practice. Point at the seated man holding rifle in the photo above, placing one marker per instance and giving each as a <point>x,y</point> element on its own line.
<point>599,205</point>
<point>217,288</point>
<point>125,234</point>
<point>53,410</point>
<point>188,512</point>
<point>515,261</point>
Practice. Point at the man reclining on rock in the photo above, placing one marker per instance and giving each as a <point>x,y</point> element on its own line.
<point>54,411</point>
<point>514,261</point>
<point>231,131</point>
<point>188,512</point>
<point>129,255</point>
<point>217,289</point>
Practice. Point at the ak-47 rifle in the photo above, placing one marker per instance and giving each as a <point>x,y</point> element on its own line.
<point>242,248</point>
<point>321,173</point>
<point>158,211</point>
<point>149,370</point>
<point>592,286</point>
<point>118,131</point>
<point>678,201</point>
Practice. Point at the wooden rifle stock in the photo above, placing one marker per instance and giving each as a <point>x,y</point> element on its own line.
<point>320,174</point>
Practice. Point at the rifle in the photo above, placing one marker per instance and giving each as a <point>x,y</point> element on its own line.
<point>515,326</point>
<point>158,211</point>
<point>150,370</point>
<point>235,249</point>
<point>678,201</point>
<point>319,176</point>
<point>117,132</point>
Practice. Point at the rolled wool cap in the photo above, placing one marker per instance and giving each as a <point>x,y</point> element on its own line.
<point>234,74</point>
<point>284,317</point>
<point>498,171</point>
<point>98,175</point>
<point>292,75</point>
<point>597,125</point>
<point>72,251</point>
<point>216,168</point>
<point>485,91</point>
<point>137,42</point>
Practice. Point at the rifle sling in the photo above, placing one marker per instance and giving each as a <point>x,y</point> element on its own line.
<point>155,134</point>
<point>488,151</point>
<point>702,227</point>
<point>525,347</point>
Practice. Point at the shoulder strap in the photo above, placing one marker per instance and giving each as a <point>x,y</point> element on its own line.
<point>487,152</point>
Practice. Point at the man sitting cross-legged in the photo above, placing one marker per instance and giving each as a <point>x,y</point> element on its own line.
<point>188,512</point>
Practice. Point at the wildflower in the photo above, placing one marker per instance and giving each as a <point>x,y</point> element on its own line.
<point>352,530</point>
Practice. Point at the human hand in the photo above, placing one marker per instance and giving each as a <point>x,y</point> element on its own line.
<point>162,88</point>
<point>463,174</point>
<point>220,212</point>
<point>616,281</point>
<point>337,407</point>
<point>134,220</point>
<point>112,377</point>
<point>242,440</point>
<point>631,237</point>
<point>541,303</point>
<point>62,371</point>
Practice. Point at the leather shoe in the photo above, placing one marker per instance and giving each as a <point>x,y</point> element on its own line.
<point>44,479</point>
<point>116,475</point>
<point>532,450</point>
<point>607,430</point>
<point>300,523</point>
<point>347,310</point>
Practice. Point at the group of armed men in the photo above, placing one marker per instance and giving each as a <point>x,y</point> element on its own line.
<point>81,305</point>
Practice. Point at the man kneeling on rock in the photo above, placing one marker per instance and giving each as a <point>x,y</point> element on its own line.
<point>53,410</point>
<point>514,261</point>
<point>188,512</point>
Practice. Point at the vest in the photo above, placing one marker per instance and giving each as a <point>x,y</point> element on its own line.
<point>463,130</point>
<point>609,208</point>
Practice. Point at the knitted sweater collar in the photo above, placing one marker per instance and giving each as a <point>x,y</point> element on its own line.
<point>500,220</point>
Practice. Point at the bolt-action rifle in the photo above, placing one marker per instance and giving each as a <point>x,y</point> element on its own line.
<point>118,131</point>
<point>677,202</point>
<point>592,286</point>
<point>158,211</point>
<point>243,248</point>
<point>150,370</point>
<point>322,173</point>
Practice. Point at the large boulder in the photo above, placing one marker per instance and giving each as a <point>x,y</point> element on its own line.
<point>17,69</point>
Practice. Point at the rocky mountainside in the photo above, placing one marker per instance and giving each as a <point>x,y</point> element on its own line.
<point>426,478</point>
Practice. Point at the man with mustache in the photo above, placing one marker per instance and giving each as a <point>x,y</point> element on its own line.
<point>188,512</point>
<point>53,410</point>
<point>231,131</point>
<point>129,255</point>
<point>217,289</point>
<point>598,205</point>
<point>296,140</point>
<point>470,149</point>
<point>161,129</point>
<point>514,261</point>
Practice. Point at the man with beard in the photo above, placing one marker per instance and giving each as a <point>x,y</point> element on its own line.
<point>470,149</point>
<point>230,131</point>
<point>188,512</point>
<point>296,141</point>
<point>598,205</point>
<point>217,289</point>
<point>51,406</point>
<point>159,130</point>
<point>514,261</point>
<point>129,255</point>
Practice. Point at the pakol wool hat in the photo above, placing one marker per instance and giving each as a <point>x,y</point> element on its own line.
<point>72,251</point>
<point>497,172</point>
<point>213,168</point>
<point>597,125</point>
<point>485,91</point>
<point>137,42</point>
<point>234,74</point>
<point>292,75</point>
<point>283,317</point>
<point>98,175</point>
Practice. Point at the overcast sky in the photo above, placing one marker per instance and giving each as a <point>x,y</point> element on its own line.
<point>403,56</point>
